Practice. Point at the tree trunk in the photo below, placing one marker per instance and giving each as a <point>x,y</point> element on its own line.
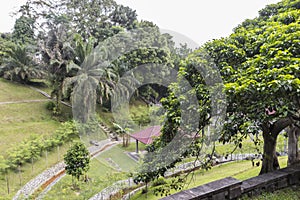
<point>124,142</point>
<point>58,155</point>
<point>293,156</point>
<point>7,182</point>
<point>270,133</point>
<point>270,160</point>
<point>31,166</point>
<point>127,140</point>
<point>20,174</point>
<point>46,158</point>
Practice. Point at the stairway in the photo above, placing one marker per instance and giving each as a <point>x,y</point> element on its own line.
<point>112,135</point>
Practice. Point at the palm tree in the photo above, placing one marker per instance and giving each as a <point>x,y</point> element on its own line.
<point>56,55</point>
<point>93,82</point>
<point>19,66</point>
<point>124,132</point>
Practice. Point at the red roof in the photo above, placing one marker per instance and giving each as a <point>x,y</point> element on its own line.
<point>146,136</point>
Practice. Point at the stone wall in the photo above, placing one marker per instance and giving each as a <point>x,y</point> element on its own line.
<point>230,188</point>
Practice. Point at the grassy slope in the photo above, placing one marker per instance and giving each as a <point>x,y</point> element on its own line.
<point>17,123</point>
<point>16,92</point>
<point>292,193</point>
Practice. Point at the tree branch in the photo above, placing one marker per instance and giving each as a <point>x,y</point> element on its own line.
<point>279,125</point>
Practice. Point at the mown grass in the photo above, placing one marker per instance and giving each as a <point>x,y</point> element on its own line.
<point>118,156</point>
<point>248,146</point>
<point>19,121</point>
<point>12,135</point>
<point>132,147</point>
<point>240,170</point>
<point>16,92</point>
<point>292,193</point>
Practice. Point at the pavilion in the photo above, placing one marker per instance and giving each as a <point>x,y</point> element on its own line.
<point>146,136</point>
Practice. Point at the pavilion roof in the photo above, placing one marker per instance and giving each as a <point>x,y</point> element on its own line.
<point>146,136</point>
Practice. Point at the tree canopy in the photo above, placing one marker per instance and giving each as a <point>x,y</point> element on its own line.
<point>259,66</point>
<point>77,160</point>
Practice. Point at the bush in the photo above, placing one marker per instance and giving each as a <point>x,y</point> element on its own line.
<point>160,181</point>
<point>50,105</point>
<point>31,149</point>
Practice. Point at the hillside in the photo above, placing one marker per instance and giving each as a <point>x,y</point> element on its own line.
<point>23,113</point>
<point>23,117</point>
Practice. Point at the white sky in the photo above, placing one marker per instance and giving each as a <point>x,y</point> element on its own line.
<point>199,20</point>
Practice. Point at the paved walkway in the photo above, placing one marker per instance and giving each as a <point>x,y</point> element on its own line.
<point>23,101</point>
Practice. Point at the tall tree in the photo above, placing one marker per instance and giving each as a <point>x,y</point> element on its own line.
<point>23,31</point>
<point>259,63</point>
<point>57,54</point>
<point>5,45</point>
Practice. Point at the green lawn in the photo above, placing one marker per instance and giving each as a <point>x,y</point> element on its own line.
<point>13,134</point>
<point>19,121</point>
<point>132,146</point>
<point>247,146</point>
<point>292,193</point>
<point>119,156</point>
<point>16,92</point>
<point>102,175</point>
<point>24,112</point>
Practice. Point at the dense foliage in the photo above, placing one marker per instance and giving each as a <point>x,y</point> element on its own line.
<point>261,75</point>
<point>259,65</point>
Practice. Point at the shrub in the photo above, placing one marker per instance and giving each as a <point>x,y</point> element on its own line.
<point>159,181</point>
<point>50,105</point>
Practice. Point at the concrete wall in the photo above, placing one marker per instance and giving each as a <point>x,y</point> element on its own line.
<point>230,188</point>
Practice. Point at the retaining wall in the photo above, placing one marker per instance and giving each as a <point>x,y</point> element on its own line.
<point>230,188</point>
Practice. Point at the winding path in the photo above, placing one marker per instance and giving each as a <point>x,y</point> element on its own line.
<point>23,101</point>
<point>49,177</point>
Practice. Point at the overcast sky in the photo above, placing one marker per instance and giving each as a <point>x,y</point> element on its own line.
<point>197,20</point>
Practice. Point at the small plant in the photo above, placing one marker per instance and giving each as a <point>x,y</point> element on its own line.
<point>160,181</point>
<point>50,106</point>
<point>77,161</point>
<point>175,183</point>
